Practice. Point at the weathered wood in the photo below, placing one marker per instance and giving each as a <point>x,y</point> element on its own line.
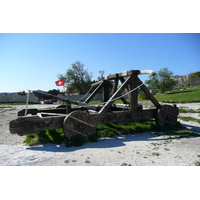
<point>123,74</point>
<point>124,117</point>
<point>94,92</point>
<point>79,122</point>
<point>83,119</point>
<point>115,95</point>
<point>133,96</point>
<point>34,111</point>
<point>28,125</point>
<point>106,91</point>
<point>45,95</point>
<point>167,114</point>
<point>97,83</point>
<point>115,84</point>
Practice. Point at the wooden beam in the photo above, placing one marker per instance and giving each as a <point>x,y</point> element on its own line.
<point>115,86</point>
<point>106,91</point>
<point>115,95</point>
<point>133,96</point>
<point>149,95</point>
<point>123,74</point>
<point>94,92</point>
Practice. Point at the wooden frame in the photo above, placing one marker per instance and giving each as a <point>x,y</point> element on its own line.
<point>83,119</point>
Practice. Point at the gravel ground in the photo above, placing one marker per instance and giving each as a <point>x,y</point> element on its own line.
<point>146,149</point>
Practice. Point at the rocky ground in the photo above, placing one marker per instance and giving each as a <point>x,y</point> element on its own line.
<point>145,149</point>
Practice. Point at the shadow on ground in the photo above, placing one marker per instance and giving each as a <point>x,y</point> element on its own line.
<point>118,141</point>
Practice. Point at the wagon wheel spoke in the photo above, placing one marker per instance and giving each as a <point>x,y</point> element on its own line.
<point>79,122</point>
<point>167,114</point>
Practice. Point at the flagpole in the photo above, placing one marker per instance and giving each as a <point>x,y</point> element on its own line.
<point>64,88</point>
<point>27,100</point>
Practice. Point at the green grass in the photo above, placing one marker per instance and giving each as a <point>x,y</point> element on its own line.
<point>180,96</point>
<point>183,110</point>
<point>1,107</point>
<point>178,134</point>
<point>197,163</point>
<point>155,154</point>
<point>110,130</point>
<point>190,119</point>
<point>6,108</point>
<point>49,136</point>
<point>191,95</point>
<point>107,130</point>
<point>17,103</point>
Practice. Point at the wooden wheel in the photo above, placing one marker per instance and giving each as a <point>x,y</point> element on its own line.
<point>79,122</point>
<point>167,114</point>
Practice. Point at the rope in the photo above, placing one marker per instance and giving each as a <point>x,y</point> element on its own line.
<point>86,94</point>
<point>129,91</point>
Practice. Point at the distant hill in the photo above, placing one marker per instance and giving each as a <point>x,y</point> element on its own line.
<point>189,80</point>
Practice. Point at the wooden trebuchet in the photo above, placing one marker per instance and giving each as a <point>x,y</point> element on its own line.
<point>83,118</point>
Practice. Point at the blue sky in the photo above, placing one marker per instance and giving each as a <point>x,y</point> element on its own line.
<point>33,61</point>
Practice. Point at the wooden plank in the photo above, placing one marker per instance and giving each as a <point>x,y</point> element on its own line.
<point>133,96</point>
<point>52,114</point>
<point>123,117</point>
<point>106,91</point>
<point>123,74</point>
<point>96,83</point>
<point>34,124</point>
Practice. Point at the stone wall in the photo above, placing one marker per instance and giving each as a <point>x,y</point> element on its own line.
<point>14,97</point>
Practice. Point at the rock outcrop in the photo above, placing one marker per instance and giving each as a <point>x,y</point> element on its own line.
<point>190,79</point>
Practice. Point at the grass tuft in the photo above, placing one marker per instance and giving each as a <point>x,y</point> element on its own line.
<point>190,119</point>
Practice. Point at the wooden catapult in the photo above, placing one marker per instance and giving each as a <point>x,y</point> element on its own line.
<point>83,117</point>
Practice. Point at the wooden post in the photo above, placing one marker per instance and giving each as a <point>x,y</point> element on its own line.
<point>106,91</point>
<point>133,96</point>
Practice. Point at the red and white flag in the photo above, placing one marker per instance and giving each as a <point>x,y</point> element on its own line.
<point>60,82</point>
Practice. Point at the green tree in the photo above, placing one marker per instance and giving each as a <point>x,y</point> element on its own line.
<point>101,72</point>
<point>77,78</point>
<point>162,80</point>
<point>54,92</point>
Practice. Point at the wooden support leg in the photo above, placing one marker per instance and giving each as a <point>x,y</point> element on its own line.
<point>106,91</point>
<point>133,96</point>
